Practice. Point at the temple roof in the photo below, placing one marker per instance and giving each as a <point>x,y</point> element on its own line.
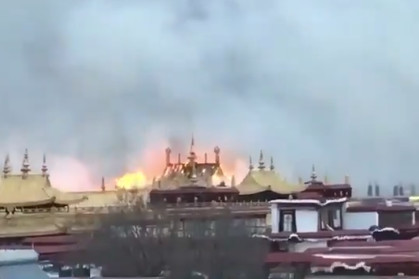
<point>26,189</point>
<point>262,179</point>
<point>191,172</point>
<point>266,180</point>
<point>32,190</point>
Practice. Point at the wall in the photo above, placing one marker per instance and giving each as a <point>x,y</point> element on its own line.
<point>359,220</point>
<point>274,218</point>
<point>307,220</point>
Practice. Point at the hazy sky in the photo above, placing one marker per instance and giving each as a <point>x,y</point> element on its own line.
<point>94,83</point>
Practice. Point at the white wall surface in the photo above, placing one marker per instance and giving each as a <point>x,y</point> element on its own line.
<point>274,218</point>
<point>307,220</point>
<point>359,220</point>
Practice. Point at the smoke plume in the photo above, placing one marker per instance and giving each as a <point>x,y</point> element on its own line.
<point>95,83</point>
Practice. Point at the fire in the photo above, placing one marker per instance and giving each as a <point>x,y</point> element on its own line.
<point>132,180</point>
<point>152,160</point>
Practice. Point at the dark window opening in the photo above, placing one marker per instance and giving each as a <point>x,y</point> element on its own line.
<point>287,222</point>
<point>330,219</point>
<point>394,219</point>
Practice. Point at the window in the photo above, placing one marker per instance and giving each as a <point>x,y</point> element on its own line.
<point>394,219</point>
<point>330,218</point>
<point>336,221</point>
<point>287,221</point>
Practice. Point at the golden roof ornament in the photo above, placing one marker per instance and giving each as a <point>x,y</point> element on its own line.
<point>313,173</point>
<point>233,181</point>
<point>6,169</point>
<point>272,167</point>
<point>326,180</point>
<point>168,152</point>
<point>261,162</point>
<point>179,160</point>
<point>191,150</point>
<point>205,158</point>
<point>250,163</point>
<point>192,163</point>
<point>217,155</point>
<point>44,168</point>
<point>25,164</point>
<point>102,186</point>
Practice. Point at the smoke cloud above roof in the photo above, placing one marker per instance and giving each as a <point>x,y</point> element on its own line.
<point>95,83</point>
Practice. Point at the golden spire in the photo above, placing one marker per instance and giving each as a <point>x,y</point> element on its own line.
<point>272,167</point>
<point>192,163</point>
<point>261,162</point>
<point>233,181</point>
<point>326,180</point>
<point>194,177</point>
<point>250,163</point>
<point>313,173</point>
<point>102,186</point>
<point>205,158</point>
<point>191,150</point>
<point>168,152</point>
<point>217,155</point>
<point>179,160</point>
<point>44,168</point>
<point>6,169</point>
<point>25,164</point>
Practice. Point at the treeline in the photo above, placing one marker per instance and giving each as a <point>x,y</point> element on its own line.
<point>197,244</point>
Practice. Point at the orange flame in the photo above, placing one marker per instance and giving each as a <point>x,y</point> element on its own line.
<point>133,180</point>
<point>153,160</point>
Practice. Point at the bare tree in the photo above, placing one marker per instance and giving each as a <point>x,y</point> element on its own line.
<point>206,243</point>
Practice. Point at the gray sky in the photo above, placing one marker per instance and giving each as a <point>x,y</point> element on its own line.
<point>95,83</point>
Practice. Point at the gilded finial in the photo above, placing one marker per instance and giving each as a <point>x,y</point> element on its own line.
<point>326,180</point>
<point>261,162</point>
<point>250,163</point>
<point>25,164</point>
<point>272,167</point>
<point>44,168</point>
<point>191,150</point>
<point>179,160</point>
<point>102,186</point>
<point>313,173</point>
<point>217,155</point>
<point>194,177</point>
<point>6,169</point>
<point>205,158</point>
<point>168,152</point>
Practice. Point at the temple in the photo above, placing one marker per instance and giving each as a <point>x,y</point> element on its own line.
<point>264,184</point>
<point>27,192</point>
<point>193,181</point>
<point>300,220</point>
